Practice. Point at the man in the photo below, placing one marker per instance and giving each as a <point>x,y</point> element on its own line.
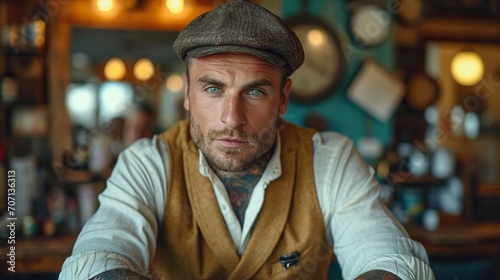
<point>236,192</point>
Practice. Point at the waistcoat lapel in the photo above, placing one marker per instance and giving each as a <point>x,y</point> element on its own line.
<point>207,213</point>
<point>271,221</point>
<point>195,242</point>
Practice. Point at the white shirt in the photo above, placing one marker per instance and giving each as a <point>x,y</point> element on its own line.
<point>364,234</point>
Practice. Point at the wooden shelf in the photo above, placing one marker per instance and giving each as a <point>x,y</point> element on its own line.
<point>406,180</point>
<point>488,189</point>
<point>25,51</point>
<point>74,176</point>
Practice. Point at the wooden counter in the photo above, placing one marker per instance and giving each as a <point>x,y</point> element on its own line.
<point>460,240</point>
<point>46,255</point>
<point>38,254</point>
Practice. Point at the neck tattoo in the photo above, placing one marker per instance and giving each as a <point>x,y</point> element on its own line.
<point>239,186</point>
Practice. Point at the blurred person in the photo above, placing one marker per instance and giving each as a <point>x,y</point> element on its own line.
<point>236,192</point>
<point>139,123</point>
<point>105,150</point>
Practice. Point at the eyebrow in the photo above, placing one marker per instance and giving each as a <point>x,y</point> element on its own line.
<point>256,83</point>
<point>210,81</point>
<point>259,83</point>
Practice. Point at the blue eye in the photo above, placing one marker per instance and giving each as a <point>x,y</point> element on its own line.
<point>212,90</point>
<point>255,92</point>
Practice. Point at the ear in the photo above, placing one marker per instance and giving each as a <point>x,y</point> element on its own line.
<point>285,95</point>
<point>186,90</point>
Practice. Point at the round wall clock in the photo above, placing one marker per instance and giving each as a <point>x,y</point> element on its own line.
<point>324,64</point>
<point>370,25</point>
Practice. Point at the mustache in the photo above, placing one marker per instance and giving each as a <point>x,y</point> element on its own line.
<point>248,137</point>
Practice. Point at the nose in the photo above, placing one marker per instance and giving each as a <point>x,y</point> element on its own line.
<point>232,113</point>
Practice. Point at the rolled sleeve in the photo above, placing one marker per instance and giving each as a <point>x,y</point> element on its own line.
<point>89,264</point>
<point>123,231</point>
<point>404,266</point>
<point>364,233</point>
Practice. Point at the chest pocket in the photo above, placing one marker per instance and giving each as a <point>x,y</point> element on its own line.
<point>310,264</point>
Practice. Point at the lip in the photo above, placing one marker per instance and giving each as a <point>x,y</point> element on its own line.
<point>230,142</point>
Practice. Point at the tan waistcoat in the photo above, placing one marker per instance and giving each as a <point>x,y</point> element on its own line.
<point>194,242</point>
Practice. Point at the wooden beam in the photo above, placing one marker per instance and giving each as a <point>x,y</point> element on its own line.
<point>448,29</point>
<point>79,13</point>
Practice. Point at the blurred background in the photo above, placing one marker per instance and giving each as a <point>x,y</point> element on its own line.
<point>414,83</point>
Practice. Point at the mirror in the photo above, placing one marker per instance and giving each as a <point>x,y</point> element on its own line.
<point>92,99</point>
<point>124,85</point>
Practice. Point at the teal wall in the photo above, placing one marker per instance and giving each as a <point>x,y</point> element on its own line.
<point>341,114</point>
<point>345,117</point>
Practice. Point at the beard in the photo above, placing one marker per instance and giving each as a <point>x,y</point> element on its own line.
<point>227,159</point>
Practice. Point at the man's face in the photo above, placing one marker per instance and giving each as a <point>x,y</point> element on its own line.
<point>235,102</point>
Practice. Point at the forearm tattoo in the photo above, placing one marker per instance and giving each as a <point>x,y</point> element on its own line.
<point>378,275</point>
<point>125,274</point>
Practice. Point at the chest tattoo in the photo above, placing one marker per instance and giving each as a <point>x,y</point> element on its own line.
<point>239,186</point>
<point>239,189</point>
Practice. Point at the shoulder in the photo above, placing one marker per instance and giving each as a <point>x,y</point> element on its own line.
<point>332,141</point>
<point>150,151</point>
<point>146,146</point>
<point>336,155</point>
<point>142,169</point>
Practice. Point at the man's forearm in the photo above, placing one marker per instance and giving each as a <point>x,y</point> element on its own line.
<point>125,274</point>
<point>378,275</point>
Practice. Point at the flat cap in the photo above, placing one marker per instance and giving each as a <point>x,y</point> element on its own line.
<point>240,26</point>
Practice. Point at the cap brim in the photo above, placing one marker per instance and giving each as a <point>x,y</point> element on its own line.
<point>266,55</point>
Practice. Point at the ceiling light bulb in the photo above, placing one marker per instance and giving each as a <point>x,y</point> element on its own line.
<point>467,68</point>
<point>174,83</point>
<point>144,69</point>
<point>175,6</point>
<point>115,69</point>
<point>105,5</point>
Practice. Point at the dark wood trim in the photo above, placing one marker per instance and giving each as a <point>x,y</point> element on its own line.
<point>460,239</point>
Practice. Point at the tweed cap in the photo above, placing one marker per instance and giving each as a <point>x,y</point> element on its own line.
<point>240,26</point>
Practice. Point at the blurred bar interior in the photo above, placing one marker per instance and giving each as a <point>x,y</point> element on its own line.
<point>414,83</point>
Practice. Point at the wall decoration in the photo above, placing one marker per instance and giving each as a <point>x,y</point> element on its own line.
<point>370,25</point>
<point>409,12</point>
<point>422,91</point>
<point>376,91</point>
<point>324,64</point>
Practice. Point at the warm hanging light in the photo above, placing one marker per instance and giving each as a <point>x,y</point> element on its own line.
<point>105,5</point>
<point>174,83</point>
<point>115,69</point>
<point>144,69</point>
<point>175,6</point>
<point>467,68</point>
